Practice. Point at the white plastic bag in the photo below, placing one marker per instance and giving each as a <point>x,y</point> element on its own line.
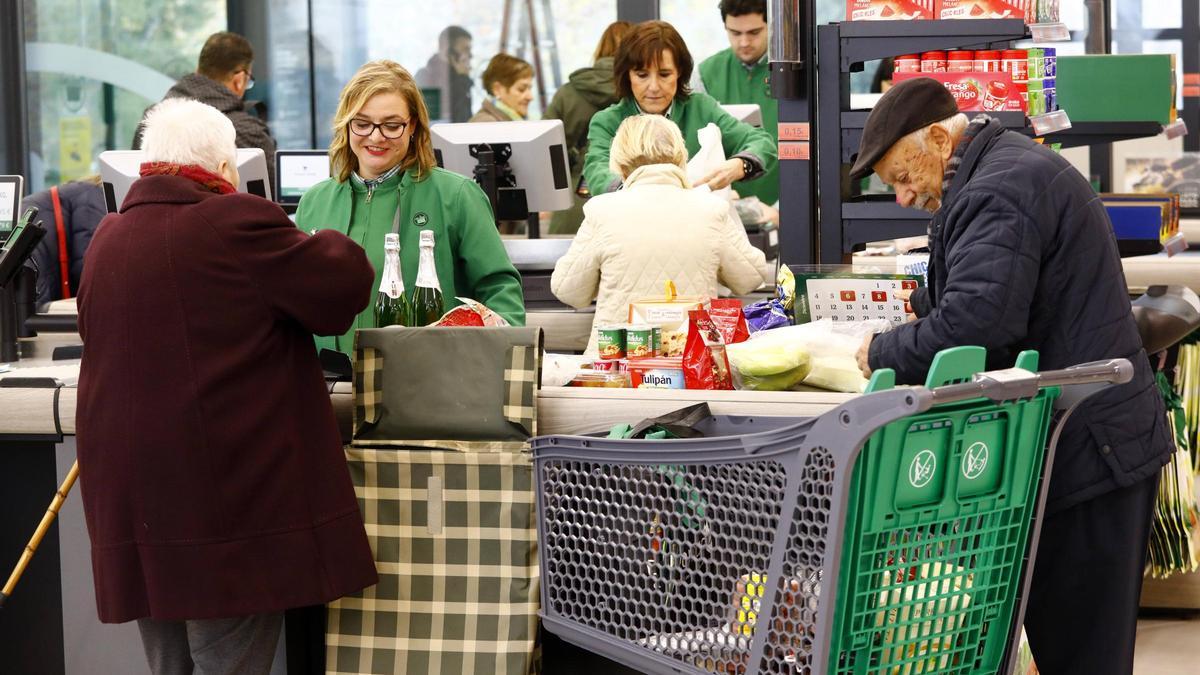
<point>709,157</point>
<point>832,347</point>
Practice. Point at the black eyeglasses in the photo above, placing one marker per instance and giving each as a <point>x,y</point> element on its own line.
<point>390,130</point>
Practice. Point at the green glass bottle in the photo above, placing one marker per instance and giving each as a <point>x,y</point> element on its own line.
<point>391,305</point>
<point>427,305</point>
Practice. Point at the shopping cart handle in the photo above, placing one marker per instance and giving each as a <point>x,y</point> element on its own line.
<point>1112,371</point>
<point>1014,384</point>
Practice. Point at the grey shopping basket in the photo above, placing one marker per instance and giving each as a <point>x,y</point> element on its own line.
<point>771,546</point>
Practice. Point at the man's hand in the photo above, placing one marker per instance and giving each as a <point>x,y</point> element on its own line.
<point>864,353</point>
<point>905,295</point>
<point>730,171</point>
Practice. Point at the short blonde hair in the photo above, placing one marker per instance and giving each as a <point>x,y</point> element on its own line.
<point>381,77</point>
<point>646,139</point>
<point>183,131</point>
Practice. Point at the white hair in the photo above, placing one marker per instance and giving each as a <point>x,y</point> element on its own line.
<point>953,125</point>
<point>183,131</point>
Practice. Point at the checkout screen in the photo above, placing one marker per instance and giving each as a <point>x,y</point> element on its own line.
<point>8,208</point>
<point>298,173</point>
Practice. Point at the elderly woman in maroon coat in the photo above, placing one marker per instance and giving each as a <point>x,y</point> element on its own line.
<point>213,480</point>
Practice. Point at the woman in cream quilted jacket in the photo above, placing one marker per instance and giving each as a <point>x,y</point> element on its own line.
<point>655,229</point>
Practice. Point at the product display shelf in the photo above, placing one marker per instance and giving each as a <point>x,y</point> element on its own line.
<point>846,223</point>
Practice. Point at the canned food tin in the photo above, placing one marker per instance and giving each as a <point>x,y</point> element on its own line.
<point>987,61</point>
<point>611,365</point>
<point>639,342</point>
<point>933,62</point>
<point>657,340</point>
<point>1016,63</point>
<point>908,63</point>
<point>962,61</point>
<point>610,342</point>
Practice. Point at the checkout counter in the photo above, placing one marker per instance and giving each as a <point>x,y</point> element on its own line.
<point>50,625</point>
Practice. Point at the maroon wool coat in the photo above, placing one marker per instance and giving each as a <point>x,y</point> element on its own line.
<point>211,467</point>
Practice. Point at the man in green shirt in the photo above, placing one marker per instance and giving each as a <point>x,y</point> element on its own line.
<point>741,74</point>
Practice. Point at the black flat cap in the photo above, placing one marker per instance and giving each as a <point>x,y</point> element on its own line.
<point>906,107</point>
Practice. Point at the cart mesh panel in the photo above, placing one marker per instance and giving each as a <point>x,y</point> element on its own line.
<point>671,558</point>
<point>789,647</point>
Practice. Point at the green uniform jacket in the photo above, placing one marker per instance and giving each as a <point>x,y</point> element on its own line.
<point>726,79</point>
<point>690,115</point>
<point>471,260</point>
<point>588,91</point>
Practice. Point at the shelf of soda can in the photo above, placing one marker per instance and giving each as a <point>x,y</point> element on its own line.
<point>863,41</point>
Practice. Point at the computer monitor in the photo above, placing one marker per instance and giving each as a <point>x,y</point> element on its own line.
<point>120,168</point>
<point>11,188</point>
<point>298,170</point>
<point>538,161</point>
<point>749,113</point>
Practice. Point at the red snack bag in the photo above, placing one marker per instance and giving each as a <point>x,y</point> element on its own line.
<point>471,313</point>
<point>705,365</point>
<point>730,320</point>
<point>461,316</point>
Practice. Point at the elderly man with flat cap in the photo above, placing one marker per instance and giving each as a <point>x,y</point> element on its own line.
<point>1022,256</point>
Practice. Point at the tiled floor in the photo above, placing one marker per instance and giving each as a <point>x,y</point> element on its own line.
<point>1168,644</point>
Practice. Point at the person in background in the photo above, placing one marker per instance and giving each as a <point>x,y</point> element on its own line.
<point>385,179</point>
<point>1022,256</point>
<point>449,72</point>
<point>586,92</point>
<point>652,69</point>
<point>81,205</point>
<point>741,74</point>
<point>223,75</point>
<point>618,257</point>
<point>214,487</point>
<point>509,81</point>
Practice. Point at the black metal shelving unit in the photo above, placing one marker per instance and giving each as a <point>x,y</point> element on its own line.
<point>845,223</point>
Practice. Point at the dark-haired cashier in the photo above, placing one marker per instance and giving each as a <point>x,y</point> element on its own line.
<point>651,70</point>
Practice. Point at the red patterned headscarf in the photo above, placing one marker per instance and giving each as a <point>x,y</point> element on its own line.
<point>199,174</point>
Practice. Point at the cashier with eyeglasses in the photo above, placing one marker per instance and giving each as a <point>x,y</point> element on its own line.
<point>386,180</point>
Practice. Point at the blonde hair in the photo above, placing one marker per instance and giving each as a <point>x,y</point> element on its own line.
<point>381,77</point>
<point>646,139</point>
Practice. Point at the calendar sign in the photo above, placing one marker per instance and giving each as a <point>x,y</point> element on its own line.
<point>853,297</point>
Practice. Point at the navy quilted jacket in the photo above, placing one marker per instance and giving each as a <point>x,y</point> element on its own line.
<point>82,210</point>
<point>1023,257</point>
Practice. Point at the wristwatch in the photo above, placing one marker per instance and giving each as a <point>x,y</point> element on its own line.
<point>747,168</point>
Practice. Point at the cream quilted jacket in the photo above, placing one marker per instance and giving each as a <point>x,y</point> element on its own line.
<point>656,229</point>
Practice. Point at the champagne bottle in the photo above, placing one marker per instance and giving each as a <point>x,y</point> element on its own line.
<point>391,306</point>
<point>427,305</point>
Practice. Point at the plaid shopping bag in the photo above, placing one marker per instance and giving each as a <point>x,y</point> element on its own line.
<point>454,534</point>
<point>470,384</point>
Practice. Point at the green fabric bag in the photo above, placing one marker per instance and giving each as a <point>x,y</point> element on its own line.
<point>484,384</point>
<point>454,535</point>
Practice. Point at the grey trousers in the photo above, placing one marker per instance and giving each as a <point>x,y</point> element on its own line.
<point>242,645</point>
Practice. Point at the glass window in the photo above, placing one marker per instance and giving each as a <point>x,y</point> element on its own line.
<point>286,80</point>
<point>448,46</point>
<point>95,65</point>
<point>699,22</point>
